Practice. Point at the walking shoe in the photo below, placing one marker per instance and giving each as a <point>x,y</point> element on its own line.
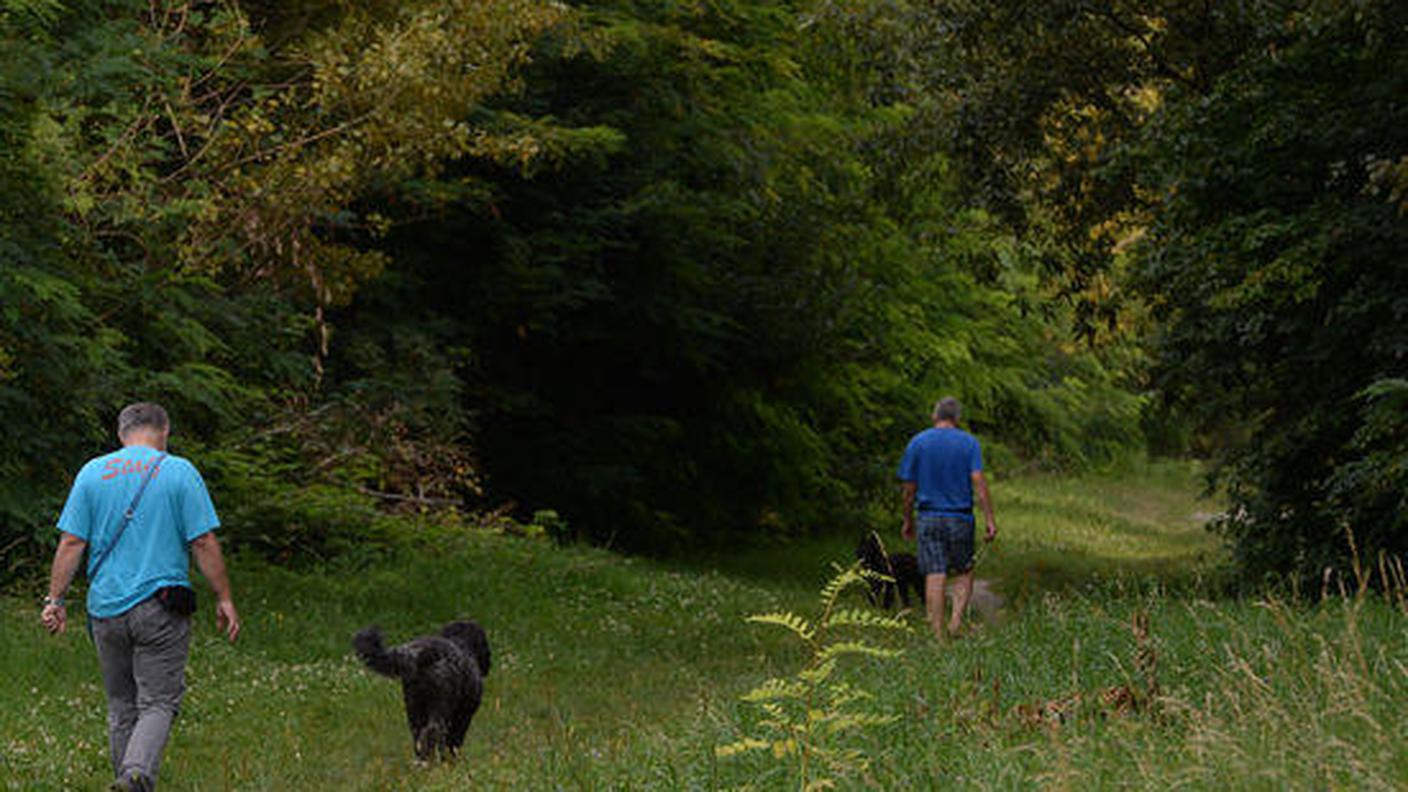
<point>132,782</point>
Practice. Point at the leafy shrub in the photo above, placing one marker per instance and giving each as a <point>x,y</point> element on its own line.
<point>1273,264</point>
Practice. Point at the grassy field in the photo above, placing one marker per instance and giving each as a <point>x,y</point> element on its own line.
<point>614,673</point>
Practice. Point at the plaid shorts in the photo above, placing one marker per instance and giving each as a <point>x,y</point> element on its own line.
<point>945,544</point>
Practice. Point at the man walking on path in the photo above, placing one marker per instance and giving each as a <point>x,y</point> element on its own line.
<point>144,513</point>
<point>941,469</point>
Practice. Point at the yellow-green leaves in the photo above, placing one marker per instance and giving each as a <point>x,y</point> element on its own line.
<point>853,617</point>
<point>791,621</point>
<point>808,717</point>
<point>232,155</point>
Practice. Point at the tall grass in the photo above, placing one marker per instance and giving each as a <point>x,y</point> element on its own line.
<point>616,673</point>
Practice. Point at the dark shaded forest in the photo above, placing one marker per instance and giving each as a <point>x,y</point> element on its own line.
<point>689,273</point>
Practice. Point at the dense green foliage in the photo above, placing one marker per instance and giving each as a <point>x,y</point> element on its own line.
<point>669,270</point>
<point>177,222</point>
<point>1278,268</point>
<point>1228,180</point>
<point>689,271</point>
<point>732,318</point>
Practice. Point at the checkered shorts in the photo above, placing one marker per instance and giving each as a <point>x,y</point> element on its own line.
<point>945,544</point>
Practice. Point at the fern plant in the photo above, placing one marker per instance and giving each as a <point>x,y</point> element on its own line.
<point>809,717</point>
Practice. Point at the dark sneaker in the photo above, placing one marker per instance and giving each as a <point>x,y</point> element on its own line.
<point>132,782</point>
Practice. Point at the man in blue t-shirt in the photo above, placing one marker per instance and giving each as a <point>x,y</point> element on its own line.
<point>144,514</point>
<point>941,469</point>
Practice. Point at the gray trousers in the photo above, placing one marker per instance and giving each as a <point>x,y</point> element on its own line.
<point>142,654</point>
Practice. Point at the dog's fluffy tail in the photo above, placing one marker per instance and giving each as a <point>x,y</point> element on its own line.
<point>374,653</point>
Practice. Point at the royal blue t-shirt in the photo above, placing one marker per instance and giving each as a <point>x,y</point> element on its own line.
<point>152,552</point>
<point>941,462</point>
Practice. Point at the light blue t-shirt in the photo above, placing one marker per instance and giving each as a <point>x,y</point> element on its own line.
<point>941,463</point>
<point>152,552</point>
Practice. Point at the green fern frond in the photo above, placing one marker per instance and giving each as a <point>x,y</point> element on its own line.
<point>774,689</point>
<point>807,715</point>
<point>801,627</point>
<point>837,584</point>
<point>742,746</point>
<point>874,719</point>
<point>854,617</point>
<point>846,762</point>
<point>830,653</point>
<point>871,574</point>
<point>842,695</point>
<point>819,673</point>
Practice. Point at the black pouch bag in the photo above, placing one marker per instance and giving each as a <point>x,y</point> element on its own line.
<point>177,599</point>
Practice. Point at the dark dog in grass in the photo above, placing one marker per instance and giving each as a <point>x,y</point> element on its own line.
<point>442,679</point>
<point>901,568</point>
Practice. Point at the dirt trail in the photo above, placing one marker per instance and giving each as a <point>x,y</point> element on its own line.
<point>986,601</point>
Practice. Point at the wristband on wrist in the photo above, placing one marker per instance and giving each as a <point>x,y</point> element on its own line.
<point>59,601</point>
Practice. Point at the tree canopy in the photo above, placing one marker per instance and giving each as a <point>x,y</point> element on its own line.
<point>687,272</point>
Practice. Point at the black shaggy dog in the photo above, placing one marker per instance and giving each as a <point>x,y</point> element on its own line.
<point>903,568</point>
<point>442,678</point>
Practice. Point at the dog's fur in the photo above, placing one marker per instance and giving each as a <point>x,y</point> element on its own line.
<point>442,679</point>
<point>902,568</point>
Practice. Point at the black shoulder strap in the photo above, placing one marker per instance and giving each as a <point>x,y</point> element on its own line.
<point>126,517</point>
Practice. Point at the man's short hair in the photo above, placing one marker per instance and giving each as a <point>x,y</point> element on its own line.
<point>947,409</point>
<point>142,415</point>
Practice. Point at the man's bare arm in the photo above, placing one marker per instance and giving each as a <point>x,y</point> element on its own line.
<point>980,486</point>
<point>908,488</point>
<point>211,562</point>
<point>67,557</point>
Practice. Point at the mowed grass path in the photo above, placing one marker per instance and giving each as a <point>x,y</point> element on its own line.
<point>589,649</point>
<point>614,673</point>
